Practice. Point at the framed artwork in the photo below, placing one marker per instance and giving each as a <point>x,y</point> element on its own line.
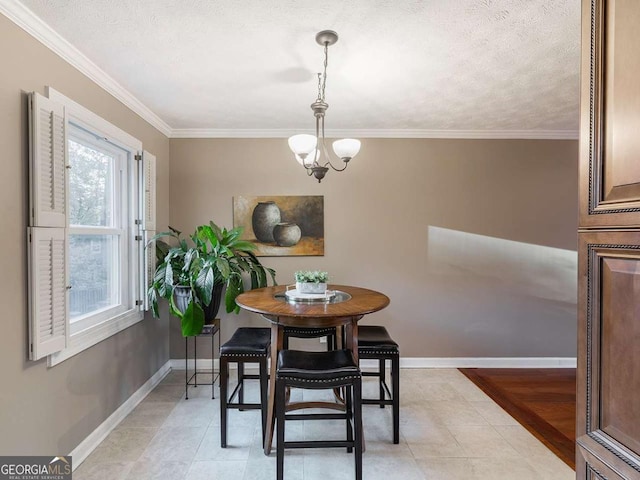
<point>282,225</point>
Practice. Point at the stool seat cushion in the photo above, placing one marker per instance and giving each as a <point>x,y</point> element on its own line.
<point>375,336</point>
<point>248,341</point>
<point>317,366</point>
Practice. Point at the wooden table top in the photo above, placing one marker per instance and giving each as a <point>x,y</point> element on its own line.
<point>263,301</point>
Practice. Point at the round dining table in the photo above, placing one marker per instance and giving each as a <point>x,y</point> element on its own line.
<point>344,308</point>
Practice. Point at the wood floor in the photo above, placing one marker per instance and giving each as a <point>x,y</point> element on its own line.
<point>542,400</point>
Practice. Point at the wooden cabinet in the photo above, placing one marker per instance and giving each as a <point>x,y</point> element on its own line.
<point>608,420</point>
<point>608,410</point>
<point>610,114</point>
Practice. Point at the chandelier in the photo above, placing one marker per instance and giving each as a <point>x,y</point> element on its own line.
<point>311,151</point>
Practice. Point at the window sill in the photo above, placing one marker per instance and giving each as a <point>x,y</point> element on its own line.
<point>91,336</point>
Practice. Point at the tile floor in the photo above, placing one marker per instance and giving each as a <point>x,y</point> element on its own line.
<point>449,430</point>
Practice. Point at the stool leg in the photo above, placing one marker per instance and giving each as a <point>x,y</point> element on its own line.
<point>195,359</point>
<point>241,383</point>
<point>213,376</point>
<point>224,381</point>
<point>357,420</point>
<point>186,368</point>
<point>280,413</point>
<point>383,378</point>
<point>264,395</point>
<point>349,414</point>
<point>395,379</point>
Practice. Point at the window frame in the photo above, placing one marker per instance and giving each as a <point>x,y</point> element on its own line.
<point>120,226</point>
<point>88,121</point>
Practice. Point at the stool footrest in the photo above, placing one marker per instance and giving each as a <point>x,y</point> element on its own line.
<point>245,406</point>
<point>316,416</point>
<point>373,401</point>
<point>320,444</point>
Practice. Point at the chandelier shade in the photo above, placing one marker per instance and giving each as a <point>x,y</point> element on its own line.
<point>310,150</point>
<point>346,148</point>
<point>303,144</point>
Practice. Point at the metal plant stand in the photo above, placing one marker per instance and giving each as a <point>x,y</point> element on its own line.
<point>207,331</point>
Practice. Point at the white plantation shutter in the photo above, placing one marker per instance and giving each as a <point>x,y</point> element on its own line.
<point>149,267</point>
<point>48,155</point>
<point>148,254</point>
<point>149,190</point>
<point>48,297</point>
<point>48,306</point>
<point>48,301</point>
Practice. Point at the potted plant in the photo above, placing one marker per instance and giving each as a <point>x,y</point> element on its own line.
<point>311,281</point>
<point>191,276</point>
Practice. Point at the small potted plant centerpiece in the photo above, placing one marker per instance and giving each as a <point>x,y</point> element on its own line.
<point>192,276</point>
<point>311,281</point>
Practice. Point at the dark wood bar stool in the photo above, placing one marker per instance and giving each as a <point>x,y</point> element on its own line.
<point>247,345</point>
<point>319,370</point>
<point>302,332</point>
<point>374,342</point>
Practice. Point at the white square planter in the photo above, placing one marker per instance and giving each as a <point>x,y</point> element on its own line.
<point>310,287</point>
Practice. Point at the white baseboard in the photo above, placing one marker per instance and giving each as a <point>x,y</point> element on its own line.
<point>430,362</point>
<point>82,451</point>
<point>488,362</point>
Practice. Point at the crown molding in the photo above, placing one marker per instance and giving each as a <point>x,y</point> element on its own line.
<point>41,31</point>
<point>381,133</point>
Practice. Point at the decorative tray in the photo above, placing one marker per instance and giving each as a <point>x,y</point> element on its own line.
<point>292,295</point>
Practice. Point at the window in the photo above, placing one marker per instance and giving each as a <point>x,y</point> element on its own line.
<point>99,220</point>
<point>92,206</point>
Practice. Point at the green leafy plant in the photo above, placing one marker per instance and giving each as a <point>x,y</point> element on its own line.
<point>215,257</point>
<point>311,276</point>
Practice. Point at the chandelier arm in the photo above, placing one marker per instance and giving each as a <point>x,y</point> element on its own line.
<point>319,123</point>
<point>324,145</point>
<point>338,169</point>
<point>325,150</point>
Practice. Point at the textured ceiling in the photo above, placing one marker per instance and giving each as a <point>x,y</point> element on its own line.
<point>399,64</point>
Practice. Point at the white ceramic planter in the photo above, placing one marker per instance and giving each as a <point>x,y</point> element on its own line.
<point>309,287</point>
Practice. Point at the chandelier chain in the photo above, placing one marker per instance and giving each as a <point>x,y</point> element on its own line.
<point>324,73</point>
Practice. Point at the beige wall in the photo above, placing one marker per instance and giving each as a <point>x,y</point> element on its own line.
<point>473,240</point>
<point>49,411</point>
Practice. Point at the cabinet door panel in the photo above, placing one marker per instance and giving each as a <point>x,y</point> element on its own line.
<point>608,410</point>
<point>610,144</point>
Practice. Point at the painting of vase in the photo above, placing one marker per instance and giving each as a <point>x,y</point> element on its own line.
<point>282,225</point>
